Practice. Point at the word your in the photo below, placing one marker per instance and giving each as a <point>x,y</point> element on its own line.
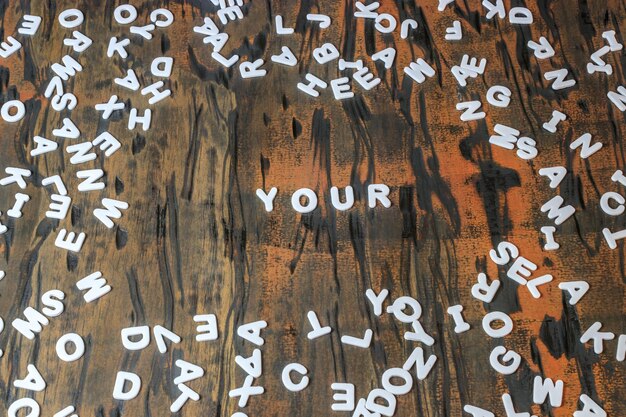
<point>304,200</point>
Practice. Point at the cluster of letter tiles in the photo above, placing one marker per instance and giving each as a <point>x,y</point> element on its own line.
<point>14,110</point>
<point>395,381</point>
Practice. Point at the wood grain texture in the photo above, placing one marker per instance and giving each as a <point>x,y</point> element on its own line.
<point>196,239</point>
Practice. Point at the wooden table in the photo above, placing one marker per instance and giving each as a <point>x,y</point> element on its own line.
<point>196,239</point>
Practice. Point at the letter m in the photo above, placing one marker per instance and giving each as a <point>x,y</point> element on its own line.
<point>69,67</point>
<point>33,324</point>
<point>96,286</point>
<point>111,210</point>
<point>556,212</point>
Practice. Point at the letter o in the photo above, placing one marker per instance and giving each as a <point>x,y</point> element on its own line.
<point>309,194</point>
<point>79,347</point>
<point>397,373</point>
<point>385,29</point>
<point>71,18</point>
<point>501,332</point>
<point>129,10</point>
<point>23,403</point>
<point>20,111</point>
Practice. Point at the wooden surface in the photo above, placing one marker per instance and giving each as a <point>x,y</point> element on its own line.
<point>196,240</point>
